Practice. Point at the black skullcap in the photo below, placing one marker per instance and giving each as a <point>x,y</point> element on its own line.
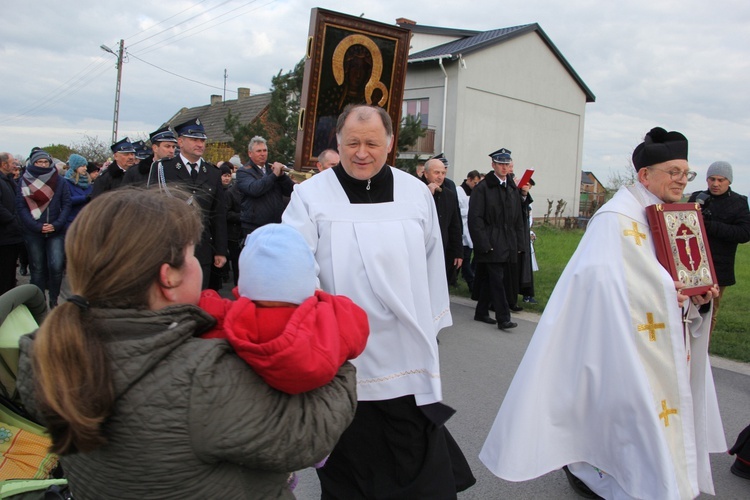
<point>659,146</point>
<point>225,169</point>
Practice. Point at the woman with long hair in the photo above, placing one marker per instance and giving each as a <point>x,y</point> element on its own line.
<point>79,184</point>
<point>43,204</point>
<point>138,406</point>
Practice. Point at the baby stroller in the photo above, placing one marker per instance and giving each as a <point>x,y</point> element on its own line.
<point>27,469</point>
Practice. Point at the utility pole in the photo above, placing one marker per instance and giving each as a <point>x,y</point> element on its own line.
<point>225,84</point>
<point>119,56</point>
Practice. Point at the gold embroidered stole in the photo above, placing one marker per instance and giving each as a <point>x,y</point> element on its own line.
<point>656,341</point>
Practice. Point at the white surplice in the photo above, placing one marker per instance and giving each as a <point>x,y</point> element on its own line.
<point>387,258</point>
<point>608,382</point>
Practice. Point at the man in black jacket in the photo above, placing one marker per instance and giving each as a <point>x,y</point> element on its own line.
<point>448,217</point>
<point>496,228</point>
<point>203,180</point>
<point>123,153</point>
<point>10,231</point>
<point>727,219</point>
<point>265,188</point>
<point>163,146</point>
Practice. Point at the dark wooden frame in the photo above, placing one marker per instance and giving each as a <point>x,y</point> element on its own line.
<point>331,35</point>
<point>665,221</point>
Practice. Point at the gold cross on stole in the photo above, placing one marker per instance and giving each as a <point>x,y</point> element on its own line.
<point>634,232</point>
<point>666,413</point>
<point>651,327</point>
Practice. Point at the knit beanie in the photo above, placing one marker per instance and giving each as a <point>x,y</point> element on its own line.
<point>40,154</point>
<point>721,169</point>
<point>76,161</point>
<point>277,265</point>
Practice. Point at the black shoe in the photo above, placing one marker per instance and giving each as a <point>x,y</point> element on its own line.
<point>578,485</point>
<point>516,308</point>
<point>507,325</point>
<point>485,319</point>
<point>23,271</point>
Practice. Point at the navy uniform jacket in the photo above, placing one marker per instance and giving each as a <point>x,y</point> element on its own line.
<point>495,221</point>
<point>208,192</point>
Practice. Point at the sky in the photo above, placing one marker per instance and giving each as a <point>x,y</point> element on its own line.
<point>683,65</point>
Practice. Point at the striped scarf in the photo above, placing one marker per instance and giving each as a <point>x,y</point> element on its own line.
<point>38,187</point>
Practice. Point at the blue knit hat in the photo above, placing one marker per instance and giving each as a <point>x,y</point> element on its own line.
<point>277,265</point>
<point>76,161</point>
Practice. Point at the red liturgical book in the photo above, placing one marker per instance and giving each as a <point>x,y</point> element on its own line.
<point>682,246</point>
<point>525,178</point>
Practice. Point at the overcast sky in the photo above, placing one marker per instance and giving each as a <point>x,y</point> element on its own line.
<point>683,65</point>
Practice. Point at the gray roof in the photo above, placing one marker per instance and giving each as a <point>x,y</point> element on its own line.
<point>483,39</point>
<point>212,115</point>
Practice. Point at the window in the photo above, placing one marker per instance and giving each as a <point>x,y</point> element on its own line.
<point>417,107</point>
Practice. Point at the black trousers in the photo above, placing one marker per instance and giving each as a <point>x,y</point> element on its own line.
<point>8,258</point>
<point>490,289</point>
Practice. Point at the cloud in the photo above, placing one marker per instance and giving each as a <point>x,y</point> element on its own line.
<point>683,65</point>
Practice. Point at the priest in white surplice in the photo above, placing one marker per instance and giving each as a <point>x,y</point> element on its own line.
<point>612,385</point>
<point>376,238</point>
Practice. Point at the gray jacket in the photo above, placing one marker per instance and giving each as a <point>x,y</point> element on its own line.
<point>192,420</point>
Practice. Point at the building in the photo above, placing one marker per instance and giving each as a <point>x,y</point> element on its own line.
<point>477,91</point>
<point>247,107</point>
<point>593,194</point>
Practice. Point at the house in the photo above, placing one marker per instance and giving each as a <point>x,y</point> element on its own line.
<point>478,91</point>
<point>248,107</point>
<point>593,194</point>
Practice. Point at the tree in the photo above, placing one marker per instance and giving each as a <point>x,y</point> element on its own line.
<point>242,133</point>
<point>59,151</point>
<point>624,177</point>
<point>279,124</point>
<point>409,132</point>
<point>92,148</point>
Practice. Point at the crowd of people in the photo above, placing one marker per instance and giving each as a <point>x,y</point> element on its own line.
<point>327,355</point>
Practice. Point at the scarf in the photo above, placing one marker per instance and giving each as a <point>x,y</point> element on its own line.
<point>38,187</point>
<point>83,180</point>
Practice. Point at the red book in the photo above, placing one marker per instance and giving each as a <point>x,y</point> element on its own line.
<point>681,245</point>
<point>525,178</point>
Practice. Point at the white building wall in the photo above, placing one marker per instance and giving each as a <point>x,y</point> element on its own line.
<point>515,95</point>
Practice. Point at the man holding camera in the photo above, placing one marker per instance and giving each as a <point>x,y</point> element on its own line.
<point>727,219</point>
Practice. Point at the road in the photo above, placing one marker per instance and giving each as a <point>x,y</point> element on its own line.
<point>478,363</point>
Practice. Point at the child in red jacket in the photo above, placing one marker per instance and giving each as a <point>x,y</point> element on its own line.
<point>294,336</point>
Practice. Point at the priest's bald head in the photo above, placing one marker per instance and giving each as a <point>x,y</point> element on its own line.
<point>365,137</point>
<point>661,163</point>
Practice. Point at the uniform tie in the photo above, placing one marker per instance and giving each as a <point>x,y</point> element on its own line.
<point>193,171</point>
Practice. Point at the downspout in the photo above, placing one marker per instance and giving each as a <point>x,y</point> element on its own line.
<point>445,105</point>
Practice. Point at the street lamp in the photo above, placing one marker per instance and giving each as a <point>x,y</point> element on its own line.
<point>117,90</point>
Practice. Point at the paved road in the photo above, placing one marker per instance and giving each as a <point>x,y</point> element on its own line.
<point>478,364</point>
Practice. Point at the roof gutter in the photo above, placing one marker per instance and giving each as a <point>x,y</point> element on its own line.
<point>431,58</point>
<point>445,104</point>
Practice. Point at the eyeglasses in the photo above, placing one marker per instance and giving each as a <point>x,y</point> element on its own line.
<point>677,175</point>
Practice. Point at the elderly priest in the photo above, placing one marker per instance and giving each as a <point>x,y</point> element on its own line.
<point>615,386</point>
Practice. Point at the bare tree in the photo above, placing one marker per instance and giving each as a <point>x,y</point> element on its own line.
<point>92,148</point>
<point>624,177</point>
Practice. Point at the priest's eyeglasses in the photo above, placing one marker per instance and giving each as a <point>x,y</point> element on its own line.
<point>677,174</point>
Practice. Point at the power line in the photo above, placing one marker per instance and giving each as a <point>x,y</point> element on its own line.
<point>181,22</point>
<point>70,87</point>
<point>184,35</point>
<point>178,75</point>
<point>162,22</point>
